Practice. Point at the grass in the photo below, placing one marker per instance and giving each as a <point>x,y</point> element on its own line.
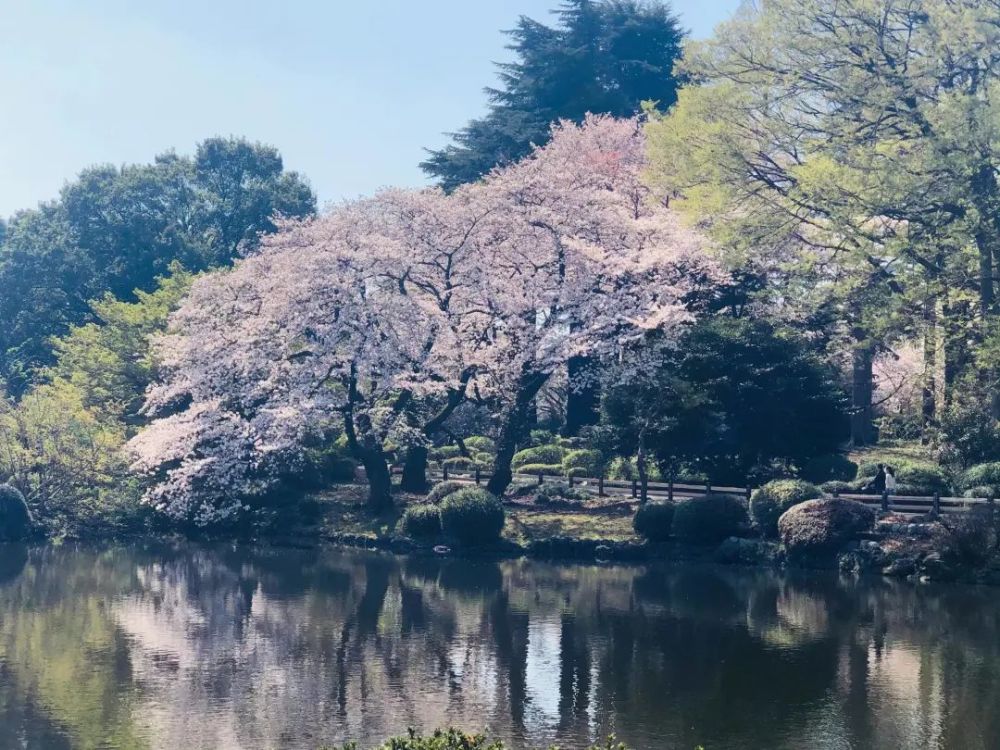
<point>343,511</point>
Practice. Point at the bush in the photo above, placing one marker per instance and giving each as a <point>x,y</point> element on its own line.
<point>452,739</point>
<point>442,489</point>
<point>541,454</point>
<point>972,536</point>
<point>981,475</point>
<point>912,477</point>
<point>552,470</point>
<point>828,468</point>
<point>472,515</point>
<point>583,462</point>
<point>445,451</point>
<point>820,527</point>
<point>483,460</point>
<point>709,519</point>
<point>981,491</point>
<point>625,469</point>
<point>15,519</point>
<point>326,465</point>
<point>838,487</point>
<point>767,503</point>
<point>459,463</point>
<point>653,521</point>
<point>422,521</point>
<point>480,444</point>
<point>541,437</point>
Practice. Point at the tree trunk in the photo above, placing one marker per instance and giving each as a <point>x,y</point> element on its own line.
<point>379,478</point>
<point>640,465</point>
<point>415,470</point>
<point>928,402</point>
<point>583,402</point>
<point>512,430</point>
<point>984,197</point>
<point>862,427</point>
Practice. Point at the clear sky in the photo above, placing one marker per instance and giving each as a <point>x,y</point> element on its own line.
<point>350,92</point>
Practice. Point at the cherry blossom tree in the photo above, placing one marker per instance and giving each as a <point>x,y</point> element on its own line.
<point>383,315</point>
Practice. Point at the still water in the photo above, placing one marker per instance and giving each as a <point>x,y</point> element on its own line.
<point>224,647</point>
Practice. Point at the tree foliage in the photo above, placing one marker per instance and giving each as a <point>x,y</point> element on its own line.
<point>603,57</point>
<point>114,230</point>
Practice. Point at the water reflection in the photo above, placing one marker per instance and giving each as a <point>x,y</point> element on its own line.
<point>225,647</point>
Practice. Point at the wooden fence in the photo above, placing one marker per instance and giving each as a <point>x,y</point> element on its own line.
<point>903,504</point>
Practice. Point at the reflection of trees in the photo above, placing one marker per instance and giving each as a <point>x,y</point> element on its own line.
<point>293,648</point>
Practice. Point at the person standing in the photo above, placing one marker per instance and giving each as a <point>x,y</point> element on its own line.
<point>877,485</point>
<point>890,480</point>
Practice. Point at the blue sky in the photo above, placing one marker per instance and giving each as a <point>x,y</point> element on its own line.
<point>350,92</point>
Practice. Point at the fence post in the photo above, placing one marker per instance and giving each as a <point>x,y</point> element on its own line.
<point>670,489</point>
<point>885,499</point>
<point>541,478</point>
<point>708,487</point>
<point>478,477</point>
<point>748,491</point>
<point>600,485</point>
<point>635,489</point>
<point>936,505</point>
<point>444,472</point>
<point>836,492</point>
<point>570,477</point>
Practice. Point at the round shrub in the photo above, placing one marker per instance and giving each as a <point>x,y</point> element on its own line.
<point>654,521</point>
<point>921,479</point>
<point>821,527</point>
<point>472,515</point>
<point>587,462</point>
<point>541,437</point>
<point>552,470</point>
<point>422,521</point>
<point>480,444</point>
<point>767,503</point>
<point>981,475</point>
<point>829,468</point>
<point>836,486</point>
<point>541,454</point>
<point>15,519</point>
<point>709,519</point>
<point>442,489</point>
<point>981,491</point>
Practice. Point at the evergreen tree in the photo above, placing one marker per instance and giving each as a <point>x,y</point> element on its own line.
<point>601,57</point>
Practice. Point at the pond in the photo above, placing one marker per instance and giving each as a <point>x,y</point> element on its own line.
<point>221,647</point>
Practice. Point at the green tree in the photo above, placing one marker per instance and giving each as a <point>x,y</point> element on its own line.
<point>734,397</point>
<point>115,230</point>
<point>855,143</point>
<point>602,57</point>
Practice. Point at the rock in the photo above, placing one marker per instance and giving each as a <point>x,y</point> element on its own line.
<point>603,552</point>
<point>738,551</point>
<point>900,567</point>
<point>442,549</point>
<point>818,528</point>
<point>934,567</point>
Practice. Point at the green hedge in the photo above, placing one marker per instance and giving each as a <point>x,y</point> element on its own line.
<point>459,463</point>
<point>540,454</point>
<point>768,502</point>
<point>472,516</point>
<point>445,451</point>
<point>830,468</point>
<point>981,475</point>
<point>709,519</point>
<point>551,470</point>
<point>588,460</point>
<point>654,521</point>
<point>442,489</point>
<point>422,521</point>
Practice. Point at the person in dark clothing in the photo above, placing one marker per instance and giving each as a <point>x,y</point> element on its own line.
<point>877,485</point>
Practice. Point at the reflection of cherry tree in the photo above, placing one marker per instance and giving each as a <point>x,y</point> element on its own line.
<point>383,315</point>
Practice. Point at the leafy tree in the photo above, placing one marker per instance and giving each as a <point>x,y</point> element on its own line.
<point>603,57</point>
<point>731,399</point>
<point>115,230</point>
<point>852,145</point>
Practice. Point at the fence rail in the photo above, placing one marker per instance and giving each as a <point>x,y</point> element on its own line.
<point>599,486</point>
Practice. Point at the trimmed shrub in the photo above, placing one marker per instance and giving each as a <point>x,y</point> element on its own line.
<point>625,469</point>
<point>552,470</point>
<point>981,491</point>
<point>422,521</point>
<point>839,487</point>
<point>446,451</point>
<point>15,519</point>
<point>912,477</point>
<point>480,444</point>
<point>971,536</point>
<point>709,519</point>
<point>459,463</point>
<point>767,503</point>
<point>654,521</point>
<point>541,454</point>
<point>829,468</point>
<point>472,515</point>
<point>981,475</point>
<point>586,461</point>
<point>541,437</point>
<point>442,489</point>
<point>821,527</point>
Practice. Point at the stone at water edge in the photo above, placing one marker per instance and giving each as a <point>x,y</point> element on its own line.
<point>442,549</point>
<point>15,518</point>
